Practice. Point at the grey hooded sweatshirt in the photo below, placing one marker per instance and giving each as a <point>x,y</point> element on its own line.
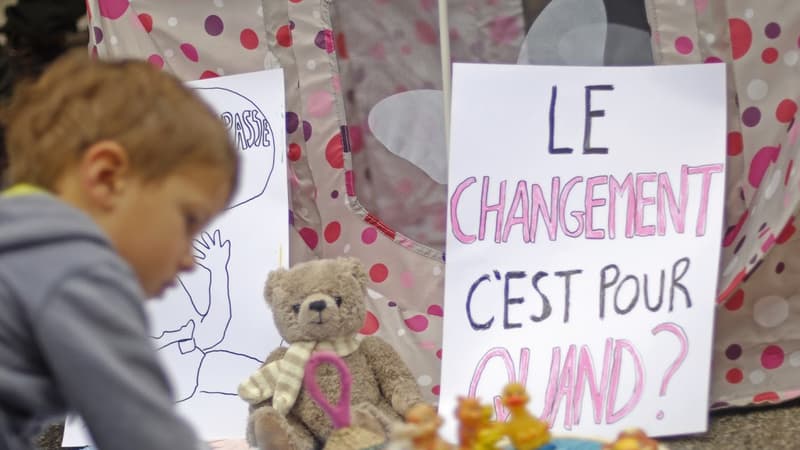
<point>73,335</point>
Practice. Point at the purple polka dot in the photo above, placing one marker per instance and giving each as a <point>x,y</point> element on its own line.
<point>292,122</point>
<point>98,35</point>
<point>772,30</point>
<point>779,268</point>
<point>751,116</point>
<point>335,194</point>
<point>291,218</point>
<point>392,304</point>
<point>324,40</point>
<point>684,45</point>
<point>306,130</point>
<point>214,25</point>
<point>733,352</point>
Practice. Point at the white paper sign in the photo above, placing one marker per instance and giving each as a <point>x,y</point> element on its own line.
<point>214,329</point>
<point>584,232</point>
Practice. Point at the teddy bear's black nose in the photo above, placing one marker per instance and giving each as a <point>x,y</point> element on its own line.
<point>317,305</point>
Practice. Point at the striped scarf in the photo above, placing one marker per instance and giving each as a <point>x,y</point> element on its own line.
<point>281,380</point>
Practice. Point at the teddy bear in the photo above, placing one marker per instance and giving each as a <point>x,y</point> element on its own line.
<point>320,305</point>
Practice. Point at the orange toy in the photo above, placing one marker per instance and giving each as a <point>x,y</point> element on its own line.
<point>425,423</point>
<point>634,439</point>
<point>524,430</point>
<point>472,418</point>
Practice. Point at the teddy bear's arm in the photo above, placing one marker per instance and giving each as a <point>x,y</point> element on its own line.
<point>394,377</point>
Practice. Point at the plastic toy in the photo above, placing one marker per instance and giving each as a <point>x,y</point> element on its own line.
<point>634,439</point>
<point>473,418</point>
<point>525,430</point>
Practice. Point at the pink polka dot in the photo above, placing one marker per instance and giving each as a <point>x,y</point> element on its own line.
<point>417,323</point>
<point>741,37</point>
<point>309,237</point>
<point>712,60</point>
<point>766,397</point>
<point>435,390</point>
<point>249,39</point>
<point>700,6</point>
<point>371,324</point>
<point>435,310</point>
<point>284,36</point>
<point>786,110</point>
<point>407,279</point>
<point>439,353</point>
<point>334,152</point>
<point>735,143</point>
<point>769,55</point>
<point>369,235</point>
<point>294,152</point>
<point>378,273</point>
<point>426,33</point>
<point>333,231</point>
<point>356,138</point>
<point>156,61</point>
<point>427,345</point>
<point>325,41</point>
<point>734,376</point>
<point>760,163</point>
<point>208,74</point>
<point>772,357</point>
<point>320,104</point>
<point>736,301</point>
<point>113,9</point>
<point>190,52</point>
<point>684,45</point>
<point>147,21</point>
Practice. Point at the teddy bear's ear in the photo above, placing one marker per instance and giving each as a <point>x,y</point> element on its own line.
<point>273,281</point>
<point>355,268</point>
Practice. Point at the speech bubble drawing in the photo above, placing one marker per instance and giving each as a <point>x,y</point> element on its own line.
<point>252,133</point>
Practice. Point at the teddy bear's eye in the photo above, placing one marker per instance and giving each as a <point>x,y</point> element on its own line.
<point>338,300</point>
<point>296,308</point>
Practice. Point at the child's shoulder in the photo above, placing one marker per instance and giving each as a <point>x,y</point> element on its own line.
<point>44,241</point>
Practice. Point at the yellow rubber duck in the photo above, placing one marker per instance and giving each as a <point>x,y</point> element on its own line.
<point>525,431</point>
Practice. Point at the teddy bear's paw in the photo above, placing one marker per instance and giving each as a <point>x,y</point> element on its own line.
<point>272,430</point>
<point>370,417</point>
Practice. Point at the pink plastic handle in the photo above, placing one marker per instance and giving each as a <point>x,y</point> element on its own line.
<point>340,413</point>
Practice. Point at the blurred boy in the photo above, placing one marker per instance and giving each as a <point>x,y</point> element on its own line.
<point>114,168</point>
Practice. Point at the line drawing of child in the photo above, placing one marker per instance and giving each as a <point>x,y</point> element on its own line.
<point>196,347</point>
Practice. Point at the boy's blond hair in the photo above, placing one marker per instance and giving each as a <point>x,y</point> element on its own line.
<point>78,102</point>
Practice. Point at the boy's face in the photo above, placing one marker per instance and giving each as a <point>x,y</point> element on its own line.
<point>154,223</point>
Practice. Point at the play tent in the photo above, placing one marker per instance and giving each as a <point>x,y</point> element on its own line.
<point>351,194</point>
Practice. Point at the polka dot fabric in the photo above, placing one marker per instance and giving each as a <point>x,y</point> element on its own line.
<point>212,38</point>
<point>757,342</point>
<point>392,46</point>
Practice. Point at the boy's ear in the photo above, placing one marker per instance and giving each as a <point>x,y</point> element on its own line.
<point>103,171</point>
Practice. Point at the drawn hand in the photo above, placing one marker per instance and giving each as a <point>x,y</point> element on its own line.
<point>211,252</point>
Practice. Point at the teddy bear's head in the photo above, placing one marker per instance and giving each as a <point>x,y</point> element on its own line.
<point>318,300</point>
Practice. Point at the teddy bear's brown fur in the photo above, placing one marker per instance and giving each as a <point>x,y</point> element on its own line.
<point>383,388</point>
